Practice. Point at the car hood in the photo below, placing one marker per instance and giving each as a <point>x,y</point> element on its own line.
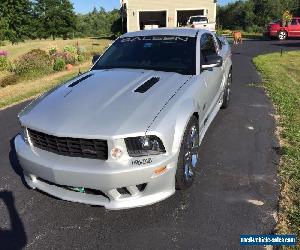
<point>104,105</point>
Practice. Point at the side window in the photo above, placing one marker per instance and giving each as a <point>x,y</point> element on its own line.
<point>219,43</point>
<point>294,22</point>
<point>207,45</point>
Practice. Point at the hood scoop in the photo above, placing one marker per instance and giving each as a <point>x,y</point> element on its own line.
<point>81,79</point>
<point>147,85</point>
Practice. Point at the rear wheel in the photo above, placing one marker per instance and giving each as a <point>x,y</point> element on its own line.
<point>282,35</point>
<point>188,156</point>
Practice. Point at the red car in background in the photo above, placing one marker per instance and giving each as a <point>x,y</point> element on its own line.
<point>282,32</point>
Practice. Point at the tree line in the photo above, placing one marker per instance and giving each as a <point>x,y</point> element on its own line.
<point>254,15</point>
<point>42,19</point>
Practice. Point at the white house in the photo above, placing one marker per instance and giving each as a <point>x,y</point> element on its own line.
<point>169,13</point>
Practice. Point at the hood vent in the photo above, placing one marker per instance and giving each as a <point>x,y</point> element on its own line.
<point>80,80</point>
<point>147,85</point>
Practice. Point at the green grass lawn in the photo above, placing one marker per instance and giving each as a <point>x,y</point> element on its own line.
<point>281,77</point>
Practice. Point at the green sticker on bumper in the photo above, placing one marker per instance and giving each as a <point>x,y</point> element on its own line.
<point>79,190</point>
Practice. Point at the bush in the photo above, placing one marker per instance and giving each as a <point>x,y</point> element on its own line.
<point>59,65</point>
<point>9,80</point>
<point>3,53</point>
<point>66,56</point>
<point>81,58</point>
<point>81,50</point>
<point>5,64</point>
<point>33,64</point>
<point>254,29</point>
<point>52,50</point>
<point>70,49</point>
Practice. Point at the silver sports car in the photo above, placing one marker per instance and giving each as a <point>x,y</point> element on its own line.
<point>127,133</point>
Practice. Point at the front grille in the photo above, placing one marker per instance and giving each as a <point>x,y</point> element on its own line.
<point>73,147</point>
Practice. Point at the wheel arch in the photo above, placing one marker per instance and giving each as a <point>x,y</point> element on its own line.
<point>182,121</point>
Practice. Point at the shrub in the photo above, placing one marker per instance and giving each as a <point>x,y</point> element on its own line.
<point>254,29</point>
<point>52,50</point>
<point>70,49</point>
<point>33,64</point>
<point>59,65</point>
<point>71,58</point>
<point>83,54</point>
<point>3,53</point>
<point>4,63</point>
<point>81,58</point>
<point>67,57</point>
<point>81,50</point>
<point>9,80</point>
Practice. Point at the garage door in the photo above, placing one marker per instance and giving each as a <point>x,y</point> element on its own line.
<point>184,15</point>
<point>152,18</point>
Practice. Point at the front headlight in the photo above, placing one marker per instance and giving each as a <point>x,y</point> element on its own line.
<point>24,134</point>
<point>144,146</point>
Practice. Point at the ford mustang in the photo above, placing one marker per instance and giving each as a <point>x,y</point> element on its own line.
<point>127,133</point>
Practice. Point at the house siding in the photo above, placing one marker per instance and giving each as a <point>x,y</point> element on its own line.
<point>171,6</point>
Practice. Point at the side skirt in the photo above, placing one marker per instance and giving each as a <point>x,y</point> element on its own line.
<point>209,120</point>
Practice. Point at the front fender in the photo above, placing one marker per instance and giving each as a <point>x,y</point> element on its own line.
<point>171,123</point>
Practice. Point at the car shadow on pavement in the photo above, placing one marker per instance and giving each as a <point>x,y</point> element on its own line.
<point>14,162</point>
<point>288,45</point>
<point>15,237</point>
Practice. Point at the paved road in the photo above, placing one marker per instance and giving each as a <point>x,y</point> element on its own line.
<point>236,191</point>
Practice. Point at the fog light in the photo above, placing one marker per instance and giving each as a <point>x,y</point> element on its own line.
<point>116,153</point>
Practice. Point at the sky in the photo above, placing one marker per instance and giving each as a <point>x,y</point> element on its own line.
<point>84,6</point>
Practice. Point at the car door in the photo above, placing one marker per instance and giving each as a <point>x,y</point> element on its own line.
<point>212,77</point>
<point>294,28</point>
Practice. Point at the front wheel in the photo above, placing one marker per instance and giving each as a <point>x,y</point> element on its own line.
<point>282,35</point>
<point>188,156</point>
<point>227,91</point>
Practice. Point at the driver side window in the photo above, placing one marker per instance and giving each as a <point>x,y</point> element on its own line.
<point>207,45</point>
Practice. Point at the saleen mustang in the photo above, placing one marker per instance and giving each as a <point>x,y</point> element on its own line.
<point>127,133</point>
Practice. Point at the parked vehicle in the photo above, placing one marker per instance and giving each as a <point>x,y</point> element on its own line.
<point>278,30</point>
<point>201,22</point>
<point>151,24</point>
<point>127,133</point>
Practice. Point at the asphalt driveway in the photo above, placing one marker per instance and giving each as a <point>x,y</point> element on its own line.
<point>236,191</point>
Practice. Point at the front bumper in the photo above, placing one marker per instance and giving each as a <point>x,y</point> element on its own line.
<point>58,175</point>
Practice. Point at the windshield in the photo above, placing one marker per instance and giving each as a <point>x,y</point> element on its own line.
<point>198,19</point>
<point>160,53</point>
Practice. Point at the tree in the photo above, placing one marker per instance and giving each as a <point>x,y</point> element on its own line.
<point>15,22</point>
<point>3,28</point>
<point>56,18</point>
<point>254,15</point>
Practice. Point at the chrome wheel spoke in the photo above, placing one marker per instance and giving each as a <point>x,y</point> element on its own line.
<point>195,150</point>
<point>191,152</point>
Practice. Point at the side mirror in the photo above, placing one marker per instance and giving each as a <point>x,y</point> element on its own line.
<point>95,58</point>
<point>212,62</point>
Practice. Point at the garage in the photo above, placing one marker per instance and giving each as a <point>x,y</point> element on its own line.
<point>149,18</point>
<point>184,15</point>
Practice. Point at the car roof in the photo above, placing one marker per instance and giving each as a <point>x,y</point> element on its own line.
<point>189,32</point>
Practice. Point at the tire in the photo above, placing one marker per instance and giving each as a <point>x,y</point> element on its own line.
<point>227,91</point>
<point>282,35</point>
<point>188,156</point>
